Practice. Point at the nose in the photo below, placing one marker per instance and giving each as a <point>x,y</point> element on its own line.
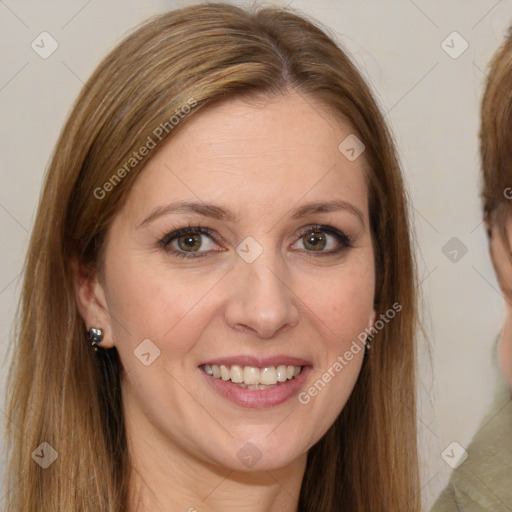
<point>261,298</point>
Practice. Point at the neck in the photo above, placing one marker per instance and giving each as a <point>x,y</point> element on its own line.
<point>165,477</point>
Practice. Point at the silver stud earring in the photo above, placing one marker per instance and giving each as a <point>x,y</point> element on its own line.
<point>95,337</point>
<point>368,345</point>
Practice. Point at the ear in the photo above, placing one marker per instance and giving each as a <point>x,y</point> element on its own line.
<point>500,244</point>
<point>91,301</point>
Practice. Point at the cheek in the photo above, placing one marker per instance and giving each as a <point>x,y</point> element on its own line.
<point>341,309</point>
<point>340,315</point>
<point>148,302</point>
<point>341,301</point>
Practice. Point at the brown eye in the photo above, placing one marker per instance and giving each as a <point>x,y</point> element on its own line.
<point>187,242</point>
<point>324,240</point>
<point>316,241</point>
<point>191,241</point>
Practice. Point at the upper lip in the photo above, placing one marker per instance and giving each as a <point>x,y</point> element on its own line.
<point>258,362</point>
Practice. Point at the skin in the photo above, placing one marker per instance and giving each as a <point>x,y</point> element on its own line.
<point>261,160</point>
<point>500,242</point>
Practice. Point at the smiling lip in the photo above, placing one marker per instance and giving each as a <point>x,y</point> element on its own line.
<point>258,362</point>
<point>258,398</point>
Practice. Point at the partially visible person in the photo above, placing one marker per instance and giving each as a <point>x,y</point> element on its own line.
<point>483,482</point>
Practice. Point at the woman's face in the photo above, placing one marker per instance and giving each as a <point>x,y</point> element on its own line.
<point>266,286</point>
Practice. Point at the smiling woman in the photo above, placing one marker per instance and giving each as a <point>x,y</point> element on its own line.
<point>230,279</point>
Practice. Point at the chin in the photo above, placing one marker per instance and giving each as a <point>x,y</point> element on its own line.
<point>253,456</point>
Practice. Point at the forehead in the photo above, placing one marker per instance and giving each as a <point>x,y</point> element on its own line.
<point>263,154</point>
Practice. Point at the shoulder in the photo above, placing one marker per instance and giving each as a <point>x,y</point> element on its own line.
<point>483,481</point>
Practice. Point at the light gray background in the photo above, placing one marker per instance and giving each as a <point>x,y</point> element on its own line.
<point>431,101</point>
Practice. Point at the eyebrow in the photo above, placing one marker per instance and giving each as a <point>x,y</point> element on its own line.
<point>220,213</point>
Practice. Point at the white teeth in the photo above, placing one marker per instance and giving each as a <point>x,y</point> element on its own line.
<point>236,374</point>
<point>254,386</point>
<point>281,373</point>
<point>252,377</point>
<point>224,373</point>
<point>268,376</point>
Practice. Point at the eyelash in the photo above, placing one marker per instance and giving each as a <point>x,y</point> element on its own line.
<point>341,237</point>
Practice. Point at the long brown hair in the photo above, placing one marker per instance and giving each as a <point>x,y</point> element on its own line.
<point>495,130</point>
<point>62,393</point>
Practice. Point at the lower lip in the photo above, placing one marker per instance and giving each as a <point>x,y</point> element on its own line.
<point>258,398</point>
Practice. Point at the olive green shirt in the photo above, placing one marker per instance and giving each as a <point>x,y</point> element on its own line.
<point>483,482</point>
